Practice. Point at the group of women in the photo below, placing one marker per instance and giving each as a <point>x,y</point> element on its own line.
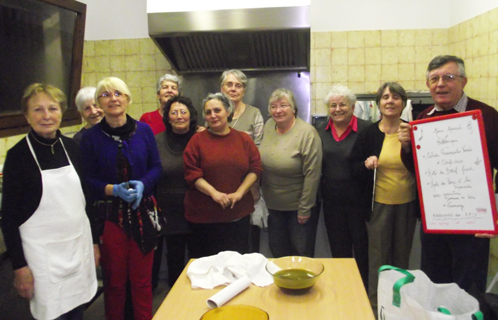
<point>113,189</point>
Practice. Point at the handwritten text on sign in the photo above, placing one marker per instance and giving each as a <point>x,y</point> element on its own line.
<point>452,175</point>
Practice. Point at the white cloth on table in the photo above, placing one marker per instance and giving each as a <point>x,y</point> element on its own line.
<point>226,267</point>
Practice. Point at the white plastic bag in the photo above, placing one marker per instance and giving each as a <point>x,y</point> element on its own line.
<point>411,295</point>
<point>260,215</point>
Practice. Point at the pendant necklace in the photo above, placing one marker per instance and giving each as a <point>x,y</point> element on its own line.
<point>47,144</point>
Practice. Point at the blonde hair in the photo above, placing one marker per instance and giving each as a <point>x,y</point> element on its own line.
<point>35,89</point>
<point>109,83</point>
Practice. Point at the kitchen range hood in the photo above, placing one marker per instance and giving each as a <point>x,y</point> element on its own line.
<point>253,39</point>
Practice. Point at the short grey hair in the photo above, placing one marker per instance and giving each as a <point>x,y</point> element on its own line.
<point>339,90</point>
<point>283,93</point>
<point>225,101</point>
<point>84,94</point>
<point>237,73</point>
<point>169,77</point>
<point>440,61</point>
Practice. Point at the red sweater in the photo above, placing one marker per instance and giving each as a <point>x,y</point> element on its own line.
<point>224,162</point>
<point>154,120</point>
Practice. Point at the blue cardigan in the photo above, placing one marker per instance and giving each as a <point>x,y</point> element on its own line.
<point>99,152</point>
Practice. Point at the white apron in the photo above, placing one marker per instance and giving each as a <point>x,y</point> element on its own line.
<point>58,246</point>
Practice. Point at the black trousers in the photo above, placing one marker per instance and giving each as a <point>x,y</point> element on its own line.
<point>211,238</point>
<point>178,247</point>
<point>347,234</point>
<point>455,258</point>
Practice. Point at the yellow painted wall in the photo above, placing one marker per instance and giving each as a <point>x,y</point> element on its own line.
<point>138,62</point>
<point>363,60</point>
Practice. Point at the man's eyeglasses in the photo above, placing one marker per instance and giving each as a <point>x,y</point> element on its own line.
<point>446,78</point>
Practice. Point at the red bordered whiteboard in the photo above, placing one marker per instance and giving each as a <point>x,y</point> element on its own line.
<point>453,174</point>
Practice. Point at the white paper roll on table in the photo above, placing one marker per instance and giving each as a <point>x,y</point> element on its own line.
<point>229,292</point>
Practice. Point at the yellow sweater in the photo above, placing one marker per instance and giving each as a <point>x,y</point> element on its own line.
<point>395,184</point>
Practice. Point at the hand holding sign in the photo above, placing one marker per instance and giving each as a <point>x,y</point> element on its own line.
<point>453,174</point>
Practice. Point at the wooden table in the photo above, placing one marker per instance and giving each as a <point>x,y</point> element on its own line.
<point>338,294</point>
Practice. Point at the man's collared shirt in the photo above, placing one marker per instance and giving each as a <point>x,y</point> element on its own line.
<point>459,107</point>
<point>352,126</point>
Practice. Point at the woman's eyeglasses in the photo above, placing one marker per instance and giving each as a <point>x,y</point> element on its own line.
<point>107,95</point>
<point>237,85</point>
<point>175,113</point>
<point>274,107</point>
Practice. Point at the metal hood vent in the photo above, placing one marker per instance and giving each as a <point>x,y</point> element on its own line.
<point>192,43</point>
<point>263,50</point>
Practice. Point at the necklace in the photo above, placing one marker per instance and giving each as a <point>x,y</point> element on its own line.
<point>235,123</point>
<point>46,144</point>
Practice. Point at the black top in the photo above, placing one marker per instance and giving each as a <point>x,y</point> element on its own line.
<point>22,185</point>
<point>171,188</point>
<point>338,185</point>
<point>369,143</point>
<point>78,135</point>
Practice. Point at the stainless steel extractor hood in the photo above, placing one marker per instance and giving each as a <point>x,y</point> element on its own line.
<point>246,39</point>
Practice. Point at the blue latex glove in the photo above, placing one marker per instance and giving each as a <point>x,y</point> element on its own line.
<point>139,189</point>
<point>121,190</point>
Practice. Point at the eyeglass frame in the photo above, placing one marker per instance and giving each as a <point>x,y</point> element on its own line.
<point>339,106</point>
<point>236,85</point>
<point>282,106</point>
<point>116,93</point>
<point>446,78</point>
<point>183,112</point>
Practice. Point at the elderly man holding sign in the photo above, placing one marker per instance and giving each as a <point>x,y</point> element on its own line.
<point>456,258</point>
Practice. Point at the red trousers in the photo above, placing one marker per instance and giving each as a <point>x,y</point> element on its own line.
<point>122,259</point>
